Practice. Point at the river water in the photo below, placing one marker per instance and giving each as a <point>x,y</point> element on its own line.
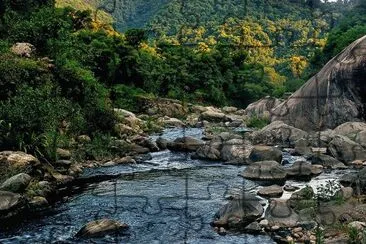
<point>169,199</point>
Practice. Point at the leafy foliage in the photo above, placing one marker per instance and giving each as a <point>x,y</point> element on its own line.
<point>83,68</point>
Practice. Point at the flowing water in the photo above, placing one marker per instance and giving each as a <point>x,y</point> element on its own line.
<point>169,199</point>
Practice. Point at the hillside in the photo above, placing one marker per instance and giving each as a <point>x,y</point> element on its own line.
<point>91,5</point>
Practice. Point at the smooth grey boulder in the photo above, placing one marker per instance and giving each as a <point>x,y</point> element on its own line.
<point>16,183</point>
<point>265,171</point>
<point>238,213</point>
<point>263,153</point>
<point>100,228</point>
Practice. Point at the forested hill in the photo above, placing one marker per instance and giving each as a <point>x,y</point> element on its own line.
<point>168,16</point>
<point>62,69</point>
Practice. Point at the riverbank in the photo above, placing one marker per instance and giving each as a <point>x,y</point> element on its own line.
<point>276,154</point>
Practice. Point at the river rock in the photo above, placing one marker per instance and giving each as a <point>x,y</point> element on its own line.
<point>162,143</point>
<point>302,147</point>
<point>345,192</point>
<point>236,150</point>
<point>335,95</point>
<point>213,116</point>
<point>63,163</point>
<point>135,149</point>
<point>298,198</point>
<point>122,113</point>
<point>263,153</point>
<point>125,160</point>
<point>253,228</point>
<point>9,200</point>
<point>100,228</point>
<point>11,204</point>
<point>357,213</point>
<point>280,213</point>
<point>327,161</point>
<point>271,191</point>
<point>123,130</point>
<point>173,122</point>
<point>350,129</point>
<point>265,170</point>
<point>361,138</point>
<point>62,179</point>
<point>346,150</point>
<point>185,144</point>
<point>18,160</point>
<point>278,133</point>
<point>229,110</point>
<point>63,153</point>
<point>290,188</point>
<point>207,152</point>
<point>198,109</point>
<point>38,202</point>
<point>356,180</point>
<point>299,169</point>
<point>321,139</point>
<point>16,183</point>
<point>150,144</point>
<point>262,108</point>
<point>238,213</point>
<point>44,189</point>
<point>317,169</point>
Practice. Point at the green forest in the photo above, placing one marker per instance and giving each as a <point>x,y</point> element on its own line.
<point>205,52</point>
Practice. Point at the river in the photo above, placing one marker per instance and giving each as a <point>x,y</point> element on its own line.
<point>168,199</point>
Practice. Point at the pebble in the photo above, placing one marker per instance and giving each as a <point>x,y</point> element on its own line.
<point>275,227</point>
<point>295,230</point>
<point>289,239</point>
<point>264,223</point>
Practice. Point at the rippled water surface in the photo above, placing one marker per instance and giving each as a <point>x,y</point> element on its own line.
<point>170,199</point>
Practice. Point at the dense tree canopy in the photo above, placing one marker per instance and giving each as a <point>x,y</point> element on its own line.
<point>82,67</point>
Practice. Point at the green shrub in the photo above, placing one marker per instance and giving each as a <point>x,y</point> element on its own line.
<point>33,118</point>
<point>15,71</point>
<point>258,122</point>
<point>127,97</point>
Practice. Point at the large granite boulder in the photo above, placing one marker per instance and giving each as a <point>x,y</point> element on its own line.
<point>335,95</point>
<point>278,133</point>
